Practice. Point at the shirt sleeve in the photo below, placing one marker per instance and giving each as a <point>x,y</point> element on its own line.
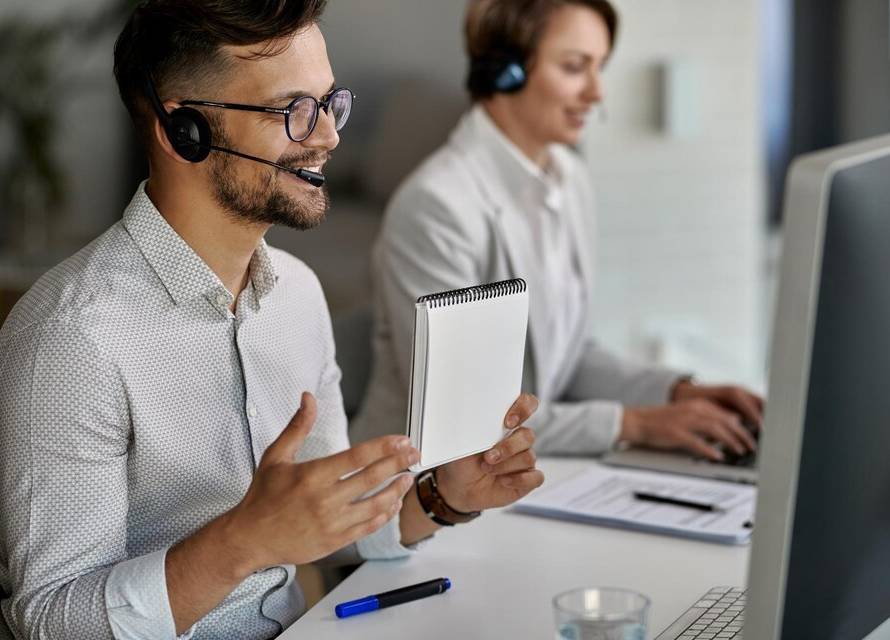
<point>587,418</point>
<point>385,543</point>
<point>137,601</point>
<point>587,427</point>
<point>64,436</point>
<point>601,374</point>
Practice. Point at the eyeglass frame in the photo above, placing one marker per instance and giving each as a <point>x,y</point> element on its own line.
<point>324,103</point>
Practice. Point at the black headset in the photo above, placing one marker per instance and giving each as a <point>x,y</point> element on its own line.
<point>496,73</point>
<point>189,134</point>
<point>187,129</point>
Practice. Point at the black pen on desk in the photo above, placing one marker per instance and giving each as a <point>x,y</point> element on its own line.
<point>677,502</point>
<point>394,597</point>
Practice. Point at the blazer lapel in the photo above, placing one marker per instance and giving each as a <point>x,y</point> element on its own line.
<point>506,215</point>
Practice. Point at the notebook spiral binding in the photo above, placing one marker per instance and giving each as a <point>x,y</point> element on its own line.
<point>471,294</point>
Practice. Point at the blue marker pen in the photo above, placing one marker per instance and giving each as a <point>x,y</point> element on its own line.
<point>394,597</point>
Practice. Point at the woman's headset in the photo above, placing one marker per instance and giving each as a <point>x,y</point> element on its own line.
<point>496,74</point>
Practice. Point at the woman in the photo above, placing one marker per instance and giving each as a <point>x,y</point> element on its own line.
<point>507,197</point>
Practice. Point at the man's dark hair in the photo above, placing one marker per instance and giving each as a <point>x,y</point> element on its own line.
<point>179,43</point>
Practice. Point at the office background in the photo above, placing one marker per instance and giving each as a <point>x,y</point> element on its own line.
<point>706,102</point>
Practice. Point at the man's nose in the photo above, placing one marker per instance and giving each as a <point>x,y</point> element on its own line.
<point>324,137</point>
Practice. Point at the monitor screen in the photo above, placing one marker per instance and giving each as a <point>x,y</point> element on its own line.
<point>838,577</point>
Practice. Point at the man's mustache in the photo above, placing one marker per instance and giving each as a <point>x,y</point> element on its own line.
<point>297,161</point>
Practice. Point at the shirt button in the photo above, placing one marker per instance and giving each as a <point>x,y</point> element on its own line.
<point>222,299</point>
<point>251,410</point>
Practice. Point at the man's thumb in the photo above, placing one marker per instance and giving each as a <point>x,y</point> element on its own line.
<point>288,443</point>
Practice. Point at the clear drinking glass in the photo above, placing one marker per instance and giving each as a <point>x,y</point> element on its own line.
<point>600,613</point>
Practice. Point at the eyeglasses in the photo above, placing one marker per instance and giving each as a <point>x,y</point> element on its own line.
<point>301,115</point>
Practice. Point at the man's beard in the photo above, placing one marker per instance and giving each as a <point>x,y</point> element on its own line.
<point>265,201</point>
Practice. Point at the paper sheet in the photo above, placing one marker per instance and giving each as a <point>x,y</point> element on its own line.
<point>604,495</point>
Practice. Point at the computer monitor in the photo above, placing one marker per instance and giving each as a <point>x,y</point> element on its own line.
<point>820,559</point>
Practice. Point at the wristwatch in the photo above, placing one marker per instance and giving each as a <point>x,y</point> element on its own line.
<point>434,505</point>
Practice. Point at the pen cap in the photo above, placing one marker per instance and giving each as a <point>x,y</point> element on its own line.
<point>357,606</point>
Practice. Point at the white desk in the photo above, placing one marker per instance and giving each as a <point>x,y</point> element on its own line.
<point>505,568</point>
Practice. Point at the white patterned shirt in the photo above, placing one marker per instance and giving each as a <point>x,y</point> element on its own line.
<point>134,408</point>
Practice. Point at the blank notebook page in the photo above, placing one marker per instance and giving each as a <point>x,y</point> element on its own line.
<point>473,368</point>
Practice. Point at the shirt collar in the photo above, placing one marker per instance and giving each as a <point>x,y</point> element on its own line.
<point>262,271</point>
<point>182,272</point>
<point>518,172</point>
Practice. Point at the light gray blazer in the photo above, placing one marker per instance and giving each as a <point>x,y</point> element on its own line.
<point>452,224</point>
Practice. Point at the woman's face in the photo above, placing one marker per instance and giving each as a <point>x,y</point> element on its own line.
<point>564,76</point>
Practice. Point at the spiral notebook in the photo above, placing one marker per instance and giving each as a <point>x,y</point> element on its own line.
<point>466,369</point>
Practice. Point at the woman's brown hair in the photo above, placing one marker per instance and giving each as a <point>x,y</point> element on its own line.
<point>498,32</point>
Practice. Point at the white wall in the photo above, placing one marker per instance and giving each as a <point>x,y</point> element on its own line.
<point>680,222</point>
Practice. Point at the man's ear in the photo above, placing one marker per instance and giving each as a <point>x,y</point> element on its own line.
<point>159,135</point>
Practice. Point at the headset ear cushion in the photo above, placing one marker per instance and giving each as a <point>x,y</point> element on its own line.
<point>189,134</point>
<point>511,78</point>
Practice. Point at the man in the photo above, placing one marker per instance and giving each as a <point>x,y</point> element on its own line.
<point>172,437</point>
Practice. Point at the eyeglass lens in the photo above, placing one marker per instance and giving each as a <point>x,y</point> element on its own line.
<point>304,113</point>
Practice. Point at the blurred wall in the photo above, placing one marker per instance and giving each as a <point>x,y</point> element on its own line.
<point>682,206</point>
<point>379,49</point>
<point>92,141</point>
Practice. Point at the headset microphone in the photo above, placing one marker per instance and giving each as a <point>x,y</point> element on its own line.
<point>189,134</point>
<point>312,177</point>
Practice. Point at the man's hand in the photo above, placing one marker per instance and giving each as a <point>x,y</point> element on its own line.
<point>500,476</point>
<point>292,514</point>
<point>692,425</point>
<point>297,513</point>
<point>736,399</point>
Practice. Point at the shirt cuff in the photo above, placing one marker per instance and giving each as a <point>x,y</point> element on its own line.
<point>137,602</point>
<point>600,427</point>
<point>385,543</point>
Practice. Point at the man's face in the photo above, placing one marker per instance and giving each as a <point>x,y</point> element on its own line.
<point>254,192</point>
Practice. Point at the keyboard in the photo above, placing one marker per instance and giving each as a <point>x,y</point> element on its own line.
<point>731,458</point>
<point>718,615</point>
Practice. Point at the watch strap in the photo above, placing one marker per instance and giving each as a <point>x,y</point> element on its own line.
<point>434,505</point>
